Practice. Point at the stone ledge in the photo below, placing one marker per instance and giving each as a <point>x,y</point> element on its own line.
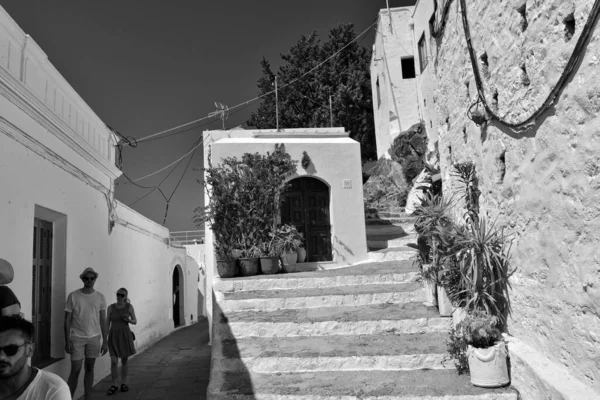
<point>537,377</point>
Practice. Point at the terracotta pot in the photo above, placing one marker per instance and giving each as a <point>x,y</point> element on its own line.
<point>289,268</point>
<point>444,304</point>
<point>289,258</point>
<point>488,367</point>
<point>226,268</point>
<point>269,265</point>
<point>249,266</point>
<point>301,254</point>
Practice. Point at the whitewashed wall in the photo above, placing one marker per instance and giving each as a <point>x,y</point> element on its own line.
<point>57,164</point>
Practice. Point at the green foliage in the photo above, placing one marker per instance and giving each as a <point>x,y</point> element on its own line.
<point>386,185</point>
<point>431,213</point>
<point>244,198</point>
<point>305,103</point>
<point>466,175</point>
<point>288,239</point>
<point>479,330</point>
<point>481,252</point>
<point>409,149</point>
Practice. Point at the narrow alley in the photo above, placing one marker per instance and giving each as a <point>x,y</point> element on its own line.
<point>176,367</point>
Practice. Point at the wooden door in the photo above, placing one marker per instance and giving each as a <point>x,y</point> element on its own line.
<point>306,205</point>
<point>42,288</point>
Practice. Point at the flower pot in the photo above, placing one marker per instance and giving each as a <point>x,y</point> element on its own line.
<point>289,258</point>
<point>488,367</point>
<point>249,266</point>
<point>226,268</point>
<point>430,288</point>
<point>269,265</point>
<point>301,254</point>
<point>287,268</point>
<point>444,303</point>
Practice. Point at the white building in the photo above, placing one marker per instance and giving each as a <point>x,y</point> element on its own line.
<point>59,215</point>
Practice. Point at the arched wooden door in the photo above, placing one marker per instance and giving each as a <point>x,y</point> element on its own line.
<point>306,205</point>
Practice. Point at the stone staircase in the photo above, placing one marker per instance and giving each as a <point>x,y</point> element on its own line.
<point>360,332</point>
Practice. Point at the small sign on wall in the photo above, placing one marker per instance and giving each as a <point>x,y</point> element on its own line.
<point>347,183</point>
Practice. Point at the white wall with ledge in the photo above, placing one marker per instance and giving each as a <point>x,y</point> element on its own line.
<point>335,157</point>
<point>57,165</point>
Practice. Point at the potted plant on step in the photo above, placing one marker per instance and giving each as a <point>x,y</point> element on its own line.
<point>431,213</point>
<point>269,255</point>
<point>477,346</point>
<point>288,242</point>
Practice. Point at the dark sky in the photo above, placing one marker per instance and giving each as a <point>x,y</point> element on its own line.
<point>148,65</point>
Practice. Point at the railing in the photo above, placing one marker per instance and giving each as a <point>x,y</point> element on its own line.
<point>187,237</point>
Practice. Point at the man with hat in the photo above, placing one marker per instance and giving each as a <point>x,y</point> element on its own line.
<point>9,304</point>
<point>85,330</point>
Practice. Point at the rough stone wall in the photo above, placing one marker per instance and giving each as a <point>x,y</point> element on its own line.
<point>543,184</point>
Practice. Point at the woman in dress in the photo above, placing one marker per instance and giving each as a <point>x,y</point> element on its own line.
<point>120,338</point>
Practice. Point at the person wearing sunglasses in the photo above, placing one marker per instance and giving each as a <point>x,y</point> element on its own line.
<point>120,339</point>
<point>18,380</point>
<point>9,304</point>
<point>85,330</point>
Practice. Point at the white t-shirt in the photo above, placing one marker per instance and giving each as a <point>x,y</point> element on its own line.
<point>46,386</point>
<point>86,313</point>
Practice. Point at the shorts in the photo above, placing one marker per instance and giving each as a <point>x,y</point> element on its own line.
<point>85,347</point>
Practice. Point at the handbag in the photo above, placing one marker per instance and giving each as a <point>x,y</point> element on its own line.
<point>133,335</point>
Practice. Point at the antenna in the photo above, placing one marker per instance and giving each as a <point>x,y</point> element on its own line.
<point>222,111</point>
<point>276,104</point>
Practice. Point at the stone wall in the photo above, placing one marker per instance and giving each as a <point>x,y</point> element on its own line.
<point>544,183</point>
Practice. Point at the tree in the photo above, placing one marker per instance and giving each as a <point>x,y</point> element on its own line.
<point>304,103</point>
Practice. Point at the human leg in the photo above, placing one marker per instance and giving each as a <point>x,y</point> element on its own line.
<point>88,379</point>
<point>124,372</point>
<point>114,369</point>
<point>74,375</point>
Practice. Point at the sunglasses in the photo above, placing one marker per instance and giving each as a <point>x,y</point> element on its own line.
<point>120,295</point>
<point>11,349</point>
<point>89,278</point>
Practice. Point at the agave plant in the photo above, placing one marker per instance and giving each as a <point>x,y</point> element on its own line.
<point>482,254</point>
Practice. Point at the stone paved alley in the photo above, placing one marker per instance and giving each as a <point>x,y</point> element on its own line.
<point>176,367</point>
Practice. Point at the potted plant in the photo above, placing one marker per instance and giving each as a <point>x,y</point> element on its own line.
<point>249,262</point>
<point>288,242</point>
<point>301,254</point>
<point>269,255</point>
<point>431,213</point>
<point>477,346</point>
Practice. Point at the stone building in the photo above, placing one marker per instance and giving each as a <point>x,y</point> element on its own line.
<point>540,181</point>
<point>59,214</point>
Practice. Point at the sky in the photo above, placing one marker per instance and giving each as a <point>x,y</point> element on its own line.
<point>145,66</point>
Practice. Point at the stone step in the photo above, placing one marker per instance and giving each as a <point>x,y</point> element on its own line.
<point>373,319</point>
<point>355,295</point>
<point>380,209</point>
<point>390,215</point>
<point>394,271</point>
<point>334,353</point>
<point>388,221</point>
<point>351,385</point>
<point>393,254</point>
<point>379,244</point>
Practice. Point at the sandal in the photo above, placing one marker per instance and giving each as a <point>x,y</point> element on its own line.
<point>124,388</point>
<point>113,389</point>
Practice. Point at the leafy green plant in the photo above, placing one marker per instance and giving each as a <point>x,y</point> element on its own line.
<point>482,253</point>
<point>244,197</point>
<point>288,239</point>
<point>466,175</point>
<point>478,329</point>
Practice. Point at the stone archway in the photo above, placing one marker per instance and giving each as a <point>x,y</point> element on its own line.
<point>178,298</point>
<point>306,206</point>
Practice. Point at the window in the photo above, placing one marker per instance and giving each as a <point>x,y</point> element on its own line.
<point>422,52</point>
<point>408,67</point>
<point>378,93</point>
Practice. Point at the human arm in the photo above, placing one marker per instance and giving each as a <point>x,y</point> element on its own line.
<point>68,321</point>
<point>104,328</point>
<point>132,317</point>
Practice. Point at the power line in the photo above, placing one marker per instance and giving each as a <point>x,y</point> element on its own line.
<point>145,138</point>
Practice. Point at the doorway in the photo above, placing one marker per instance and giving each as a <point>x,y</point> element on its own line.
<point>177,291</point>
<point>41,301</point>
<point>306,206</point>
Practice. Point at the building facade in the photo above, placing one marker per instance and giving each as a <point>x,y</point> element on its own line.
<point>59,214</point>
<point>539,181</point>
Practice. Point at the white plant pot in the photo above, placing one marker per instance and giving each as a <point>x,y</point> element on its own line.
<point>444,304</point>
<point>488,366</point>
<point>430,288</point>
